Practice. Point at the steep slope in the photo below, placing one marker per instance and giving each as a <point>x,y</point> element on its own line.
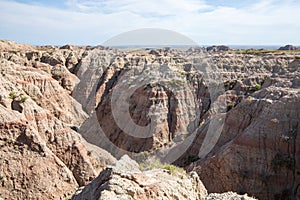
<point>258,150</point>
<point>41,155</point>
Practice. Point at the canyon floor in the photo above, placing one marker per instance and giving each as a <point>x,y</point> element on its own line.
<point>86,122</point>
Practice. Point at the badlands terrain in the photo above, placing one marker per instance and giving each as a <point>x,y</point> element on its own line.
<point>102,123</point>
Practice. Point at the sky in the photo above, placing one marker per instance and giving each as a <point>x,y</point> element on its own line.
<point>207,22</point>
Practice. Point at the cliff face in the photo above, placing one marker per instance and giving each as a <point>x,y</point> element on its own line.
<point>257,151</point>
<point>154,89</point>
<point>41,155</point>
<point>258,148</point>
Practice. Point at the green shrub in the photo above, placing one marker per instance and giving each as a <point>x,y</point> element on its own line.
<point>13,95</point>
<point>258,87</point>
<point>253,89</point>
<point>183,73</point>
<point>172,168</point>
<point>23,99</point>
<point>231,105</point>
<point>149,165</point>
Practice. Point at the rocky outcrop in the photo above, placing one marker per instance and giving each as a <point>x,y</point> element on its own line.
<point>41,156</point>
<point>126,181</point>
<point>217,48</point>
<point>288,47</point>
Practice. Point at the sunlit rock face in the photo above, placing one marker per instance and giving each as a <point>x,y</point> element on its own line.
<point>41,155</point>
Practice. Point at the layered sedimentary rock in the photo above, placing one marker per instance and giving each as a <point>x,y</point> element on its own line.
<point>251,155</point>
<point>159,99</point>
<point>258,150</point>
<point>147,102</point>
<point>41,155</point>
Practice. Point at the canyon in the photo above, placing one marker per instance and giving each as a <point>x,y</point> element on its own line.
<point>230,118</point>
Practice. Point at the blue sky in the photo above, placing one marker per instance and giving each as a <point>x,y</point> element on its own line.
<point>92,22</point>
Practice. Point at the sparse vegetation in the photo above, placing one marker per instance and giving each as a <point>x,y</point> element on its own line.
<point>15,96</point>
<point>183,73</point>
<point>251,89</point>
<point>256,51</point>
<point>173,169</point>
<point>230,105</point>
<point>263,51</point>
<point>149,165</point>
<point>257,86</point>
<point>23,98</point>
<point>228,83</point>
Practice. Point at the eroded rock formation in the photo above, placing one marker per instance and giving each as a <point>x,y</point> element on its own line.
<point>54,99</point>
<point>41,156</point>
<point>257,151</point>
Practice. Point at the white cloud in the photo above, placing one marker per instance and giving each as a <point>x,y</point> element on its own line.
<point>159,7</point>
<point>94,21</point>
